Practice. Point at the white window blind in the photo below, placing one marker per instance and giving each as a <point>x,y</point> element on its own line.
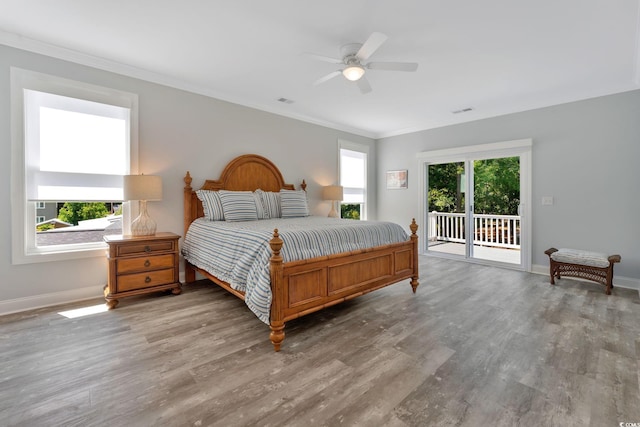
<point>353,175</point>
<point>76,150</point>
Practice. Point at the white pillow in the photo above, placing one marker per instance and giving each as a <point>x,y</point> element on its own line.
<point>211,204</point>
<point>238,205</point>
<point>294,203</point>
<point>262,214</point>
<point>270,203</point>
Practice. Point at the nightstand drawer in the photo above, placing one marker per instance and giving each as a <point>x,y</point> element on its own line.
<point>131,265</point>
<point>149,247</point>
<point>128,282</point>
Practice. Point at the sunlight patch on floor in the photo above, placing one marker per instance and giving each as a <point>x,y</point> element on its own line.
<point>84,311</point>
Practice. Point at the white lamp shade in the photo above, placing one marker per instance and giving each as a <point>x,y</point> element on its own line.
<point>333,192</point>
<point>142,187</point>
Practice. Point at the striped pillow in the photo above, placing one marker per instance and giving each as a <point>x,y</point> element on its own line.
<point>211,205</point>
<point>238,205</point>
<point>262,214</point>
<point>271,203</point>
<point>294,203</point>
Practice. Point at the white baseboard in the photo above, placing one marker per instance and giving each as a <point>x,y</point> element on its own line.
<point>620,282</point>
<point>47,300</point>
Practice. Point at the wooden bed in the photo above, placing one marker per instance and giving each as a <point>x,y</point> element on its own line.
<point>303,287</point>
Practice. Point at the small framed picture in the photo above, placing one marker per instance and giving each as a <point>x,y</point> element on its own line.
<point>397,180</point>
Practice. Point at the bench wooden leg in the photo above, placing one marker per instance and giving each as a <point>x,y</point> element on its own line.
<point>553,271</point>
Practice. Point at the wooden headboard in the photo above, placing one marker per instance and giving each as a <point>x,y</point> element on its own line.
<point>244,173</point>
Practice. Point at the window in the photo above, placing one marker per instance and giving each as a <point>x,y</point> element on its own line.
<point>353,178</point>
<point>40,219</point>
<point>72,142</point>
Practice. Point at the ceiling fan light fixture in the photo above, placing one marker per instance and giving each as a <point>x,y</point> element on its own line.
<point>353,72</point>
<point>355,59</point>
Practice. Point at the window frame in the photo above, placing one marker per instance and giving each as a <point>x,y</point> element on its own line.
<point>23,210</point>
<point>360,148</point>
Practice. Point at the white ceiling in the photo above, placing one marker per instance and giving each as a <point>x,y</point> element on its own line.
<point>495,56</point>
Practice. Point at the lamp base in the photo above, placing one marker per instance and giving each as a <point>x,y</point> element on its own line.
<point>333,213</point>
<point>143,225</point>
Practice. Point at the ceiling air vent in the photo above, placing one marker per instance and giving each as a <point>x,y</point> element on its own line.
<point>462,110</point>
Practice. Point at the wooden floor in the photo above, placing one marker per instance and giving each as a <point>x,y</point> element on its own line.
<point>476,346</point>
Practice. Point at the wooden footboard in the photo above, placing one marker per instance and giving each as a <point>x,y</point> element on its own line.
<point>302,287</point>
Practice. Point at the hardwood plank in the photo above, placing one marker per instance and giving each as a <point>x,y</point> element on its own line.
<point>474,346</point>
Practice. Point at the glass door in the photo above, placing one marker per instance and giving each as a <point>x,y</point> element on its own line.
<point>474,209</point>
<point>447,226</point>
<point>495,210</point>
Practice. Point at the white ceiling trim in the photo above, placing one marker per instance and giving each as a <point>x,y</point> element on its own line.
<point>47,49</point>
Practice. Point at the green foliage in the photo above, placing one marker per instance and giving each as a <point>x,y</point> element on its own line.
<point>496,186</point>
<point>440,200</point>
<point>74,212</point>
<point>118,211</point>
<point>445,193</point>
<point>45,227</point>
<point>350,211</point>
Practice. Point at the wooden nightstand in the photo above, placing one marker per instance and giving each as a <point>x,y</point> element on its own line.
<point>141,264</point>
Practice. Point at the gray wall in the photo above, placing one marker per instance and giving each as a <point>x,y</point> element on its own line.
<point>585,155</point>
<point>179,131</point>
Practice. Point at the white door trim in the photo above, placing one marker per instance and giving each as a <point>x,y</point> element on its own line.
<point>520,147</point>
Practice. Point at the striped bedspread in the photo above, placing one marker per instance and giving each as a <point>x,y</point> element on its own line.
<point>239,252</point>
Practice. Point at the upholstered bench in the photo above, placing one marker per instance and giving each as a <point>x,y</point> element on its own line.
<point>594,266</point>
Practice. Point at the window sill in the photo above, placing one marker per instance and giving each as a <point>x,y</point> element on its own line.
<point>59,255</point>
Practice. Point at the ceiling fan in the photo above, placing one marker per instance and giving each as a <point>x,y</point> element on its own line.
<point>354,56</point>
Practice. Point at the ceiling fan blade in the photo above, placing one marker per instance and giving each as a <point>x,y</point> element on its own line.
<point>372,44</point>
<point>363,85</point>
<point>324,58</point>
<point>393,66</point>
<point>327,77</point>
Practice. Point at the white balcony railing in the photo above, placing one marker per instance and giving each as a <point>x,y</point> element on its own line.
<point>502,231</point>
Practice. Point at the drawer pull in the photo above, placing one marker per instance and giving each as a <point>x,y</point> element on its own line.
<point>147,279</point>
<point>147,248</point>
<point>147,263</point>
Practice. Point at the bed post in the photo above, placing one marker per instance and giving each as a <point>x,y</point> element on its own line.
<point>414,240</point>
<point>276,324</point>
<point>189,272</point>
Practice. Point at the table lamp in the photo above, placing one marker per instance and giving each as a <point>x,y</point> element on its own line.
<point>142,188</point>
<point>335,194</point>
